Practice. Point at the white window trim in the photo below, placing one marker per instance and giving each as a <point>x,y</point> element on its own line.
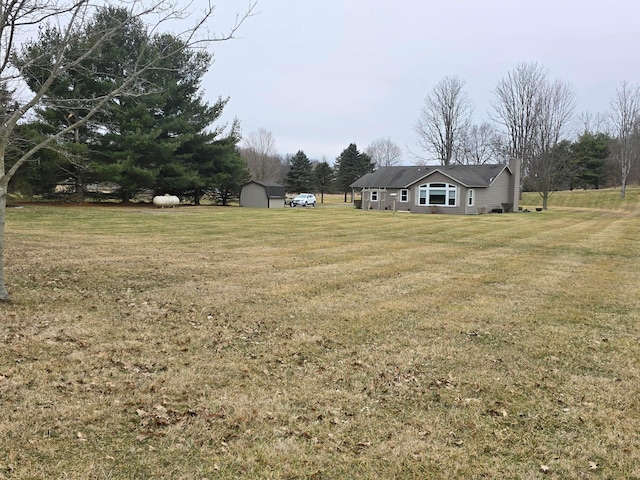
<point>471,197</point>
<point>374,193</point>
<point>404,195</point>
<point>448,188</point>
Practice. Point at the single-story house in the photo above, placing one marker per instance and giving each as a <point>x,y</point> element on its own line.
<point>262,195</point>
<point>456,189</point>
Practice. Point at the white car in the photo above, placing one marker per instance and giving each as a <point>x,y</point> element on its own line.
<point>304,199</point>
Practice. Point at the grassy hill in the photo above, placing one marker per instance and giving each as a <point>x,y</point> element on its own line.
<point>607,198</point>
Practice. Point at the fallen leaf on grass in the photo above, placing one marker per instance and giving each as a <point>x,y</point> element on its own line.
<point>496,413</point>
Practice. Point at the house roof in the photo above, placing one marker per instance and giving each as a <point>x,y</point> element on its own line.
<point>272,189</point>
<point>471,176</point>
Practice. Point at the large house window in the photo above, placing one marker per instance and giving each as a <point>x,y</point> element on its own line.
<point>374,195</point>
<point>404,195</point>
<point>437,194</point>
<point>471,198</point>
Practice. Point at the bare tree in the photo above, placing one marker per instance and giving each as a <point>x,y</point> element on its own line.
<point>550,165</point>
<point>443,119</point>
<point>517,106</point>
<point>557,103</point>
<point>535,115</point>
<point>384,152</point>
<point>625,118</point>
<point>67,19</point>
<point>481,144</point>
<point>634,175</point>
<point>592,123</point>
<point>263,161</point>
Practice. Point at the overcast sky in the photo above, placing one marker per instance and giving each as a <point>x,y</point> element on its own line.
<point>321,74</point>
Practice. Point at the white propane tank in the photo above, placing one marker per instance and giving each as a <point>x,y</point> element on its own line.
<point>166,200</point>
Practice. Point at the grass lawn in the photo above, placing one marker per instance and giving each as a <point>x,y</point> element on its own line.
<point>327,342</point>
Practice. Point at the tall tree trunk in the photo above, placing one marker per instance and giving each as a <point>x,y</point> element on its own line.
<point>626,168</point>
<point>4,295</point>
<point>545,200</point>
<point>79,186</point>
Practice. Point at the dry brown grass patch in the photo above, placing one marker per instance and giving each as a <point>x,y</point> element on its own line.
<point>319,343</point>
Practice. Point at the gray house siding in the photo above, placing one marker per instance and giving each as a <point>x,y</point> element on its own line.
<point>493,187</point>
<point>384,201</point>
<point>489,199</point>
<point>437,177</point>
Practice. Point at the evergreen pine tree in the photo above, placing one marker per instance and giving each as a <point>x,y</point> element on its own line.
<point>351,165</point>
<point>299,178</point>
<point>590,153</point>
<point>323,175</point>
